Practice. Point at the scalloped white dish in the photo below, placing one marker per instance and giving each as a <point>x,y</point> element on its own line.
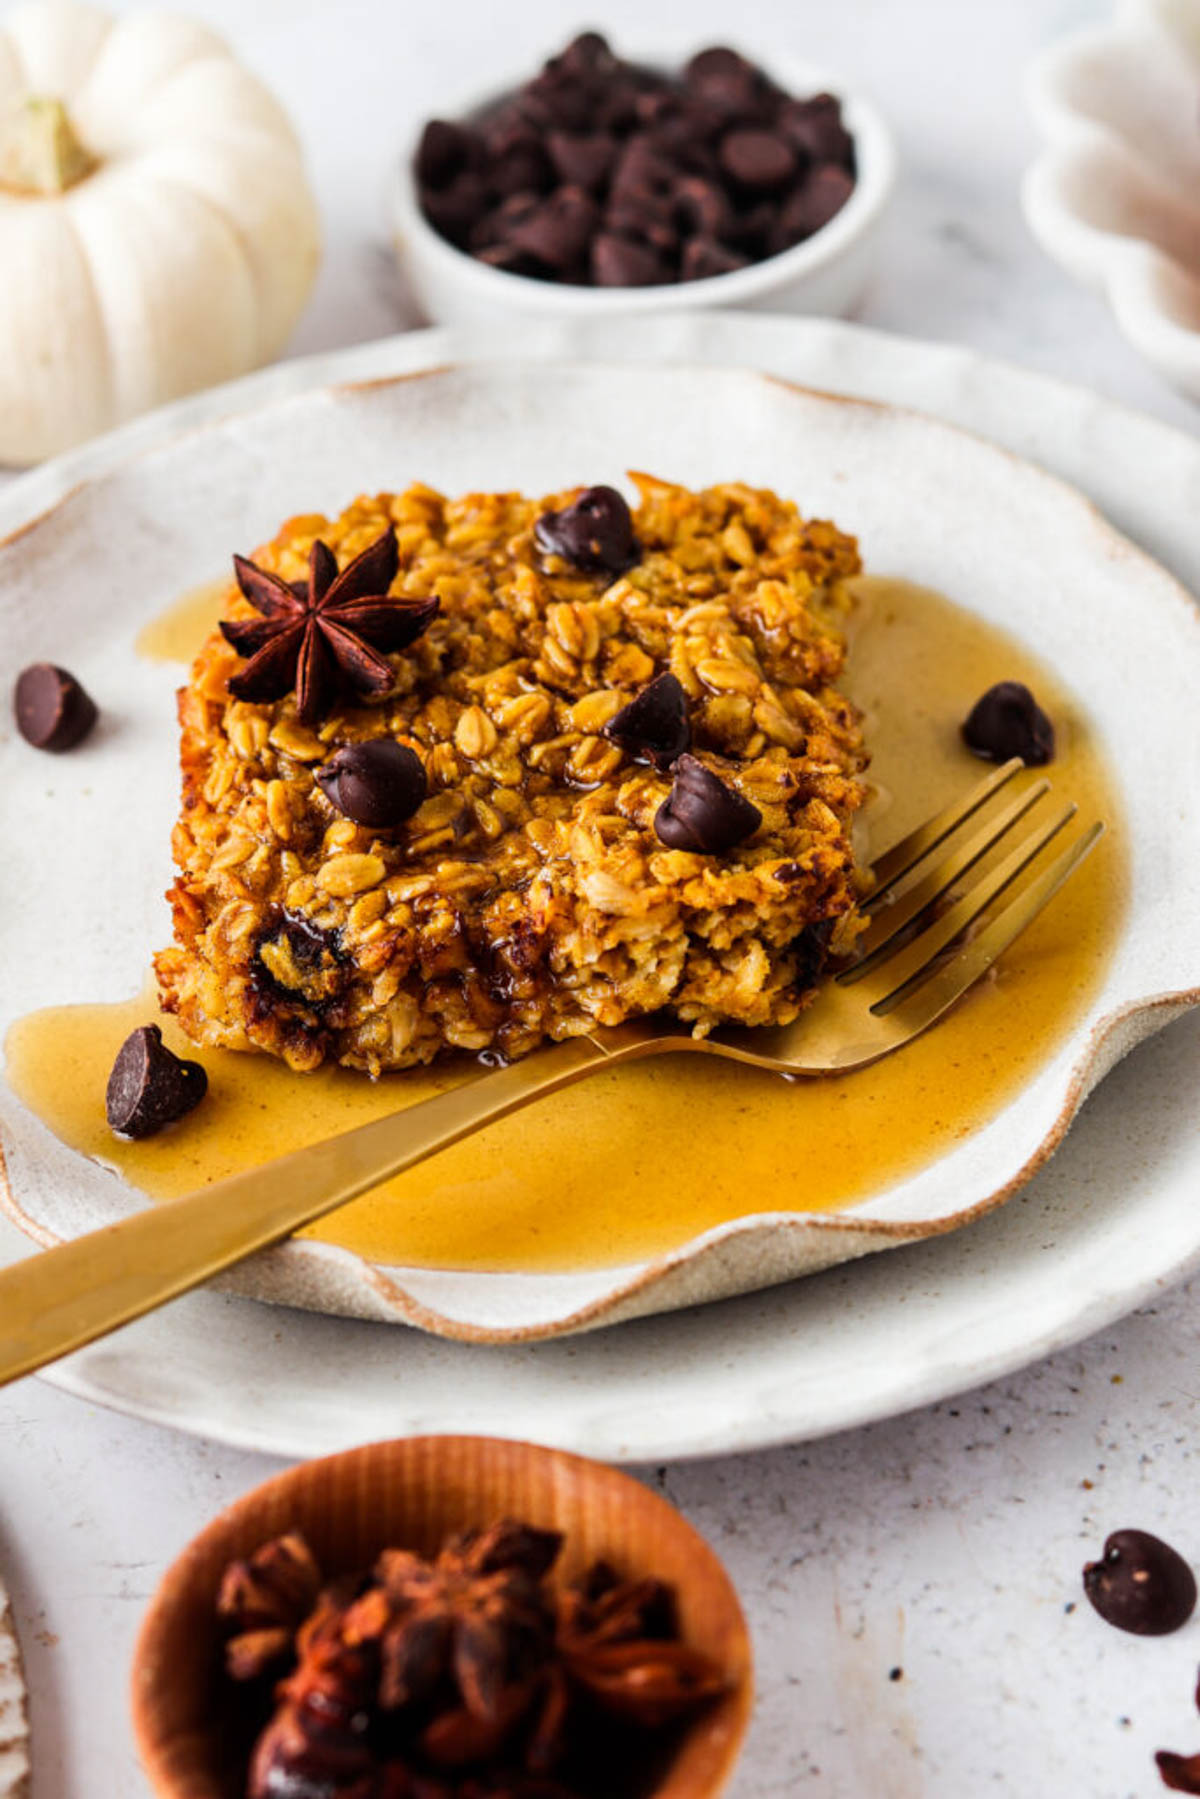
<point>928,503</point>
<point>1114,196</point>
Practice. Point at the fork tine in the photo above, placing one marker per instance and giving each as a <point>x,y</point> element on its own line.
<point>895,863</point>
<point>924,1006</point>
<point>885,985</point>
<point>891,921</point>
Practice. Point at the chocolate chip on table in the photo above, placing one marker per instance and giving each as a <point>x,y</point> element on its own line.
<point>378,784</point>
<point>1181,1773</point>
<point>686,177</point>
<point>150,1087</point>
<point>702,814</point>
<point>595,532</point>
<point>53,712</point>
<point>1007,721</point>
<point>1141,1584</point>
<point>655,723</point>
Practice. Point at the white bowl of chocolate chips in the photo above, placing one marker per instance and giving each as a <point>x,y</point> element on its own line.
<point>608,185</point>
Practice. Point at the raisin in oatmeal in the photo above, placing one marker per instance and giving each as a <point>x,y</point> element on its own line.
<point>529,894</point>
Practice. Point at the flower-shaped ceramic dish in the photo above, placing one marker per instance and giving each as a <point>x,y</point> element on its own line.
<point>927,502</point>
<point>413,1494</point>
<point>14,1720</point>
<point>1115,194</point>
<point>827,273</point>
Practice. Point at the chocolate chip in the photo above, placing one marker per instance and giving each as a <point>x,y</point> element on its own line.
<point>582,159</point>
<point>558,232</point>
<point>655,723</point>
<point>453,210</point>
<point>648,220</point>
<point>1007,721</point>
<point>1141,1585</point>
<point>704,257</point>
<point>444,151</point>
<point>595,532</point>
<point>149,1086</point>
<point>701,813</point>
<point>51,709</point>
<point>815,127</point>
<point>818,198</point>
<point>587,55</point>
<point>517,161</point>
<point>1181,1773</point>
<point>727,82</point>
<point>378,784</point>
<point>622,262</point>
<point>703,206</point>
<point>759,161</point>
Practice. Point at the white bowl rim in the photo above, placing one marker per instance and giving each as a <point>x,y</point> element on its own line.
<point>876,168</point>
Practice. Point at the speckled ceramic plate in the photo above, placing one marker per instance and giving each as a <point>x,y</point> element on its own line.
<point>14,1721</point>
<point>849,1344</point>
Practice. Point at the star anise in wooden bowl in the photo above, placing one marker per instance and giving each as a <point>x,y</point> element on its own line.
<point>400,1635</point>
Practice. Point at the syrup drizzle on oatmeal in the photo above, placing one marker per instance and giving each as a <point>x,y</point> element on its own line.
<point>633,1163</point>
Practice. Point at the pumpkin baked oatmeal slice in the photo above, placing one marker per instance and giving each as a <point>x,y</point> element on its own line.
<point>467,774</point>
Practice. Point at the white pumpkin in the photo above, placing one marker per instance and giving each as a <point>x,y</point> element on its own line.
<point>157,231</point>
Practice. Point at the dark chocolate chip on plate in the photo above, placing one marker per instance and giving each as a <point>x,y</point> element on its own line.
<point>150,1087</point>
<point>595,532</point>
<point>655,723</point>
<point>1007,721</point>
<point>378,784</point>
<point>702,814</point>
<point>1141,1584</point>
<point>53,712</point>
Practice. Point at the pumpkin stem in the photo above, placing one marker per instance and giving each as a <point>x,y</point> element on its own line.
<point>39,151</point>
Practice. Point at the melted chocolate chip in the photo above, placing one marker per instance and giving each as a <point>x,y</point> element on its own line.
<point>149,1086</point>
<point>377,784</point>
<point>701,813</point>
<point>51,709</point>
<point>1141,1585</point>
<point>654,724</point>
<point>1007,721</point>
<point>595,532</point>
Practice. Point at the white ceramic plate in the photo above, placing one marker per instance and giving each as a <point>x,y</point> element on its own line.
<point>838,1349</point>
<point>926,503</point>
<point>1114,196</point>
<point>14,1721</point>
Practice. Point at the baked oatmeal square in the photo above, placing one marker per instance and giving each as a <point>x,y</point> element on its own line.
<point>555,875</point>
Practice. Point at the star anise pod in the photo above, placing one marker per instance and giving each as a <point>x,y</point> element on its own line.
<point>476,1622</point>
<point>323,635</point>
<point>264,1601</point>
<point>619,1644</point>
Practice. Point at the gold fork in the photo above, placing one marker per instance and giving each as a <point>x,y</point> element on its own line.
<point>919,956</point>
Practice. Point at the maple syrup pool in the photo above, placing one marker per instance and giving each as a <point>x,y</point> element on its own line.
<point>635,1161</point>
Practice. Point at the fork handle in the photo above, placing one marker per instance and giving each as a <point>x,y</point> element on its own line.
<point>65,1297</point>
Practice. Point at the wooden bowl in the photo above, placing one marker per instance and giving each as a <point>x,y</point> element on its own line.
<point>414,1493</point>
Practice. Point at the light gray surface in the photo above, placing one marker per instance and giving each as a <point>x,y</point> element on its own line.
<point>948,1543</point>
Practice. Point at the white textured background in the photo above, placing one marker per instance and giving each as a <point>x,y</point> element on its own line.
<point>947,1544</point>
